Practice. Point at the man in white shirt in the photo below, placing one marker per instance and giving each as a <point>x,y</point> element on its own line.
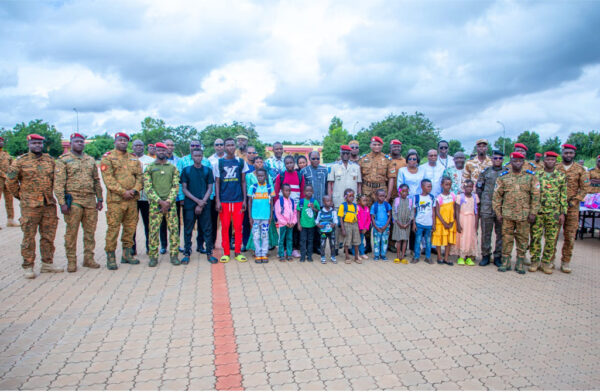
<point>433,171</point>
<point>444,159</point>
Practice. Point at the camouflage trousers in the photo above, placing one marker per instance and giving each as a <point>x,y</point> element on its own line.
<point>514,230</point>
<point>546,225</point>
<point>569,230</point>
<point>87,218</point>
<point>156,218</point>
<point>44,220</point>
<point>8,199</point>
<point>120,213</point>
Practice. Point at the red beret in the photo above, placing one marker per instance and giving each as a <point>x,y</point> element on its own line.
<point>377,139</point>
<point>517,155</point>
<point>537,154</point>
<point>160,145</point>
<point>151,145</point>
<point>345,148</point>
<point>395,142</point>
<point>572,147</point>
<point>79,135</point>
<point>122,134</point>
<point>551,154</point>
<point>521,145</point>
<point>35,136</point>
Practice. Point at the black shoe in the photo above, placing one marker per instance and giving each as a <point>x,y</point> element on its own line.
<point>201,250</point>
<point>497,261</point>
<point>301,259</point>
<point>485,260</point>
<point>440,261</point>
<point>449,262</point>
<point>310,259</point>
<point>163,251</point>
<point>181,250</point>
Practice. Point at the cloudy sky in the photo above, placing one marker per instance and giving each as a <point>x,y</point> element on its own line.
<point>289,66</point>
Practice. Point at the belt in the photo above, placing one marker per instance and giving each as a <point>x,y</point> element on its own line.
<point>373,184</point>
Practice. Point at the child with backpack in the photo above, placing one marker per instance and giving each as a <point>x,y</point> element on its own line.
<point>296,182</point>
<point>261,210</point>
<point>423,223</point>
<point>349,225</point>
<point>444,233</point>
<point>307,208</point>
<point>364,224</point>
<point>381,216</point>
<point>326,222</point>
<point>285,212</point>
<point>466,225</point>
<point>402,214</point>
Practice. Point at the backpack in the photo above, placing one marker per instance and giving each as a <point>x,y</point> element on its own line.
<point>312,200</point>
<point>387,206</point>
<point>345,204</point>
<point>281,205</point>
<point>463,200</point>
<point>417,198</point>
<point>439,198</point>
<point>397,203</point>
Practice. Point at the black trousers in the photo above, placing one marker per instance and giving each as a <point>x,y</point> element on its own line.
<point>307,236</point>
<point>204,228</point>
<point>164,242</point>
<point>246,229</point>
<point>144,210</point>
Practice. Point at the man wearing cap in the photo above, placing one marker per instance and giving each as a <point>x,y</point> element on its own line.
<point>79,193</point>
<point>31,180</point>
<point>122,176</point>
<point>528,165</point>
<point>595,177</point>
<point>455,172</point>
<point>538,159</point>
<point>475,166</point>
<point>578,181</point>
<point>343,175</point>
<point>489,221</point>
<point>5,162</point>
<point>397,162</point>
<point>242,147</point>
<point>354,151</point>
<point>516,202</point>
<point>551,216</point>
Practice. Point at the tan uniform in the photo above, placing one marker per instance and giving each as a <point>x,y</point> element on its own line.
<point>374,173</point>
<point>473,168</point>
<point>5,162</point>
<point>393,168</point>
<point>594,175</point>
<point>31,180</point>
<point>121,171</point>
<point>78,177</point>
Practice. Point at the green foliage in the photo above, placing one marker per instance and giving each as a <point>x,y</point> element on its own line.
<point>532,141</point>
<point>588,144</point>
<point>504,144</point>
<point>336,136</point>
<point>155,130</point>
<point>15,140</point>
<point>551,144</point>
<point>99,145</point>
<point>454,146</point>
<point>414,131</point>
<point>223,131</point>
<point>489,150</point>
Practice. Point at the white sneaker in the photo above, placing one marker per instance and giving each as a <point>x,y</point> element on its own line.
<point>28,273</point>
<point>49,267</point>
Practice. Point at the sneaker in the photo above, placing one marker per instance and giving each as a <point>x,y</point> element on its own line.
<point>296,254</point>
<point>310,259</point>
<point>49,267</point>
<point>185,260</point>
<point>163,251</point>
<point>383,258</point>
<point>265,259</point>
<point>28,273</point>
<point>470,262</point>
<point>376,258</point>
<point>212,259</point>
<point>258,260</point>
<point>302,259</point>
<point>414,261</point>
<point>460,261</point>
<point>429,261</point>
<point>323,261</point>
<point>333,260</point>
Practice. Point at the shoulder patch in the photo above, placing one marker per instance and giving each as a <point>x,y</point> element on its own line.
<point>503,173</point>
<point>103,167</point>
<point>529,171</point>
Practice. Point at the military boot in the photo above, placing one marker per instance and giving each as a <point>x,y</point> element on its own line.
<point>127,257</point>
<point>485,260</point>
<point>175,260</point>
<point>547,268</point>
<point>153,262</point>
<point>72,266</point>
<point>535,265</point>
<point>50,268</point>
<point>564,267</point>
<point>527,262</point>
<point>111,261</point>
<point>90,263</point>
<point>505,264</point>
<point>497,261</point>
<point>519,266</point>
<point>28,273</point>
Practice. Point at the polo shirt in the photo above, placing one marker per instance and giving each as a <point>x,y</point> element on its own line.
<point>343,177</point>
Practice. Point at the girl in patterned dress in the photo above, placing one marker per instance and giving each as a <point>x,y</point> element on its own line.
<point>402,214</point>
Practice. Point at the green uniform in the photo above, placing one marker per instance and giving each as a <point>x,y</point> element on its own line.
<point>161,182</point>
<point>553,202</point>
<point>517,195</point>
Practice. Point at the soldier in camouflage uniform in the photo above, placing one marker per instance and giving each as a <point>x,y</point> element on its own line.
<point>161,184</point>
<point>122,176</point>
<point>551,216</point>
<point>79,194</point>
<point>578,182</point>
<point>528,165</point>
<point>595,177</point>
<point>516,202</point>
<point>474,167</point>
<point>5,162</point>
<point>31,180</point>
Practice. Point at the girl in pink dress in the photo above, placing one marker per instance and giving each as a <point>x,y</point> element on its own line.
<point>467,225</point>
<point>364,223</point>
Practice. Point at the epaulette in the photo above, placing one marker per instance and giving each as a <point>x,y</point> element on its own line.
<point>22,156</point>
<point>387,157</point>
<point>533,164</point>
<point>107,153</point>
<point>503,173</point>
<point>529,171</point>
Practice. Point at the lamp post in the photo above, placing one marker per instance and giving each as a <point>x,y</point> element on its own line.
<point>503,137</point>
<point>354,128</point>
<point>77,115</point>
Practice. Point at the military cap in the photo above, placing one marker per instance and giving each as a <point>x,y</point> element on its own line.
<point>479,141</point>
<point>122,134</point>
<point>395,142</point>
<point>572,147</point>
<point>241,137</point>
<point>517,155</point>
<point>550,154</point>
<point>160,145</point>
<point>345,147</point>
<point>77,135</point>
<point>498,152</point>
<point>521,145</point>
<point>377,139</point>
<point>35,136</point>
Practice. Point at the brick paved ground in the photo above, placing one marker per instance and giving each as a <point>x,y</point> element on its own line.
<point>298,326</point>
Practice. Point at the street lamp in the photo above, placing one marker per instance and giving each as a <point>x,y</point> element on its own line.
<point>77,115</point>
<point>354,128</point>
<point>503,137</point>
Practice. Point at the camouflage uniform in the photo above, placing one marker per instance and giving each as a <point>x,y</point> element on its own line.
<point>473,168</point>
<point>489,222</point>
<point>553,202</point>
<point>121,171</point>
<point>78,176</point>
<point>152,177</point>
<point>578,181</point>
<point>394,167</point>
<point>374,174</point>
<point>5,162</point>
<point>527,165</point>
<point>31,180</point>
<point>517,195</point>
<point>594,175</point>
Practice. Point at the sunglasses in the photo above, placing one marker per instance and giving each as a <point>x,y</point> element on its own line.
<point>411,159</point>
<point>345,152</point>
<point>497,158</point>
<point>194,145</point>
<point>315,159</point>
<point>218,144</point>
<point>443,148</point>
<point>354,147</point>
<point>252,152</point>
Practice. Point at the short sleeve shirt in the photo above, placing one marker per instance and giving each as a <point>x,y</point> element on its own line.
<point>350,213</point>
<point>229,172</point>
<point>261,200</point>
<point>382,213</point>
<point>424,207</point>
<point>343,177</point>
<point>197,179</point>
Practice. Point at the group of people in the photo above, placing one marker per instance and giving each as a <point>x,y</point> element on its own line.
<point>360,203</point>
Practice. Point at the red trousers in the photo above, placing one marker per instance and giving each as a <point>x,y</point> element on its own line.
<point>231,211</point>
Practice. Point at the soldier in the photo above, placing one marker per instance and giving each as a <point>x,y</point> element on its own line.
<point>551,216</point>
<point>476,165</point>
<point>578,181</point>
<point>5,162</point>
<point>516,202</point>
<point>79,194</point>
<point>528,165</point>
<point>161,184</point>
<point>374,173</point>
<point>122,175</point>
<point>489,221</point>
<point>538,159</point>
<point>31,180</point>
<point>595,177</point>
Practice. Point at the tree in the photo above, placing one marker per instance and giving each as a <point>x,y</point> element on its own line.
<point>15,140</point>
<point>212,132</point>
<point>454,146</point>
<point>532,141</point>
<point>551,144</point>
<point>153,130</point>
<point>99,145</point>
<point>504,144</point>
<point>587,143</point>
<point>336,136</point>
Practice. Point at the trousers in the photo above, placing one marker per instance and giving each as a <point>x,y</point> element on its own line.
<point>489,224</point>
<point>229,212</point>
<point>307,236</point>
<point>423,232</point>
<point>87,218</point>
<point>8,199</point>
<point>156,219</point>
<point>545,226</point>
<point>260,235</point>
<point>44,220</point>
<point>514,230</point>
<point>285,241</point>
<point>122,213</point>
<point>332,244</point>
<point>380,242</point>
<point>204,228</point>
<point>144,210</point>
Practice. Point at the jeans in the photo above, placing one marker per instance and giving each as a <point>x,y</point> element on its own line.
<point>423,231</point>
<point>204,228</point>
<point>285,241</point>
<point>380,242</point>
<point>332,243</point>
<point>307,236</point>
<point>260,235</point>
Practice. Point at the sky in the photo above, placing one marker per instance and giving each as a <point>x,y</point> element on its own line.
<point>288,67</point>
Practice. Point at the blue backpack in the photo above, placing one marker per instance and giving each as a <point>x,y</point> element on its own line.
<point>345,204</point>
<point>387,206</point>
<point>281,205</point>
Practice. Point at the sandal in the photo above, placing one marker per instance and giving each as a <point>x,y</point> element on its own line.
<point>241,258</point>
<point>224,259</point>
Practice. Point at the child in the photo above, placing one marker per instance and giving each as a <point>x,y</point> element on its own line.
<point>444,233</point>
<point>402,214</point>
<point>364,223</point>
<point>307,210</point>
<point>261,210</point>
<point>349,225</point>
<point>467,225</point>
<point>424,221</point>
<point>326,221</point>
<point>286,220</point>
<point>296,181</point>
<point>381,215</point>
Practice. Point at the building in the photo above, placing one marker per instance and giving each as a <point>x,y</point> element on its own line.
<point>294,150</point>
